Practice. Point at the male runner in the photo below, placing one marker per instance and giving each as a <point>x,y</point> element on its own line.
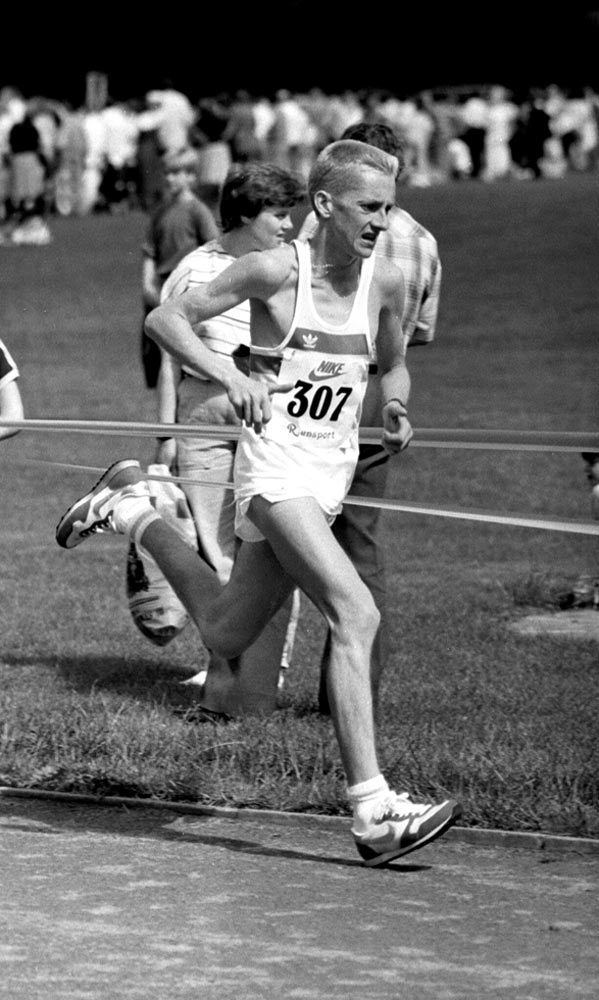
<point>314,311</point>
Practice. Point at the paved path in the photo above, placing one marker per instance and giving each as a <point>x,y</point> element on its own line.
<point>104,903</point>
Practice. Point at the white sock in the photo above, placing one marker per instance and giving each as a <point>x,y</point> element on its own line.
<point>130,511</point>
<point>364,798</point>
<point>138,525</point>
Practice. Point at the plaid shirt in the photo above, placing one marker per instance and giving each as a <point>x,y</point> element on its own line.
<point>414,251</point>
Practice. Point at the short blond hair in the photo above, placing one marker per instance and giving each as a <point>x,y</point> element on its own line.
<point>334,166</point>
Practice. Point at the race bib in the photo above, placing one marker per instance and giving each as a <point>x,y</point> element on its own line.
<point>323,408</point>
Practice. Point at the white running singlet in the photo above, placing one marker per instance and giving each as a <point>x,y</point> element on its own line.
<point>310,445</point>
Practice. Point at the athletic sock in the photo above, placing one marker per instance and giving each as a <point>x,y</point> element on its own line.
<point>364,799</point>
<point>132,513</point>
<point>138,525</point>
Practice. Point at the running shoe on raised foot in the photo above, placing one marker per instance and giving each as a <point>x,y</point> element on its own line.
<point>92,513</point>
<point>404,826</point>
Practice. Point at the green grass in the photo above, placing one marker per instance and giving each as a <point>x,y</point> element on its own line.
<point>506,723</point>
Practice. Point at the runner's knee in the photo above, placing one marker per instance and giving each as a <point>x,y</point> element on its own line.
<point>356,614</point>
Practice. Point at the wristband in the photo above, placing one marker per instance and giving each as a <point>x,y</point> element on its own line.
<point>396,399</point>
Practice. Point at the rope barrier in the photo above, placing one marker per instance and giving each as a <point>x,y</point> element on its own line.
<point>460,513</point>
<point>509,440</point>
<point>504,440</point>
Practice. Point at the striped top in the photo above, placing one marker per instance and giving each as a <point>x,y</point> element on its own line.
<point>224,334</point>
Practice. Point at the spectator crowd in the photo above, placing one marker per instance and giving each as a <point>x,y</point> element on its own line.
<point>107,155</point>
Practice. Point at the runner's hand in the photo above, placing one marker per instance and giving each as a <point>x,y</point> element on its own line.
<point>397,429</point>
<point>251,401</point>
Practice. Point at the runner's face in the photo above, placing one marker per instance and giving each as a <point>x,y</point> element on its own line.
<point>268,229</point>
<point>361,212</point>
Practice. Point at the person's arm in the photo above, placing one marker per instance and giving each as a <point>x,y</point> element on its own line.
<point>255,275</point>
<point>11,407</point>
<point>395,380</point>
<point>426,324</point>
<point>205,224</point>
<point>169,378</point>
<point>150,290</point>
<point>150,282</point>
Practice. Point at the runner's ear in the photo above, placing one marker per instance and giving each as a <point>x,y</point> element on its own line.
<point>323,204</point>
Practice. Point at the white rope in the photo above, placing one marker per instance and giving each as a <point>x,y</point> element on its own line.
<point>460,513</point>
<point>504,440</point>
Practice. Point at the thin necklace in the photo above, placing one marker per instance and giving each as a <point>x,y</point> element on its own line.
<point>329,267</point>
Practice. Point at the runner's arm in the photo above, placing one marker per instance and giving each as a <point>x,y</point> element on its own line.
<point>171,326</point>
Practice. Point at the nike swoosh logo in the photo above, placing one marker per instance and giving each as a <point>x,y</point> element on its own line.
<point>320,376</point>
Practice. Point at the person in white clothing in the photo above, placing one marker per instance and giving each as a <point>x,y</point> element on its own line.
<point>95,160</point>
<point>172,115</point>
<point>122,135</point>
<point>414,250</point>
<point>314,312</point>
<point>502,117</point>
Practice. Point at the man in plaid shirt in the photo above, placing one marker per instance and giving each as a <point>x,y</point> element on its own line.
<point>413,249</point>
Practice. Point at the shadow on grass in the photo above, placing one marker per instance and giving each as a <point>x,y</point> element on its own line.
<point>139,678</point>
<point>145,680</point>
<point>52,818</point>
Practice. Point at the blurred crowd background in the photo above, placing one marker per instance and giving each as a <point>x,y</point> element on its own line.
<point>107,155</point>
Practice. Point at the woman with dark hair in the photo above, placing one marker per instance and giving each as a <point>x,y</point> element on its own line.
<point>254,210</point>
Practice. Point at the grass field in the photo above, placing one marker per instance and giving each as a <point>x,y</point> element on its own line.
<point>507,724</point>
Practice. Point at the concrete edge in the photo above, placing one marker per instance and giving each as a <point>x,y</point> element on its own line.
<point>476,836</point>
